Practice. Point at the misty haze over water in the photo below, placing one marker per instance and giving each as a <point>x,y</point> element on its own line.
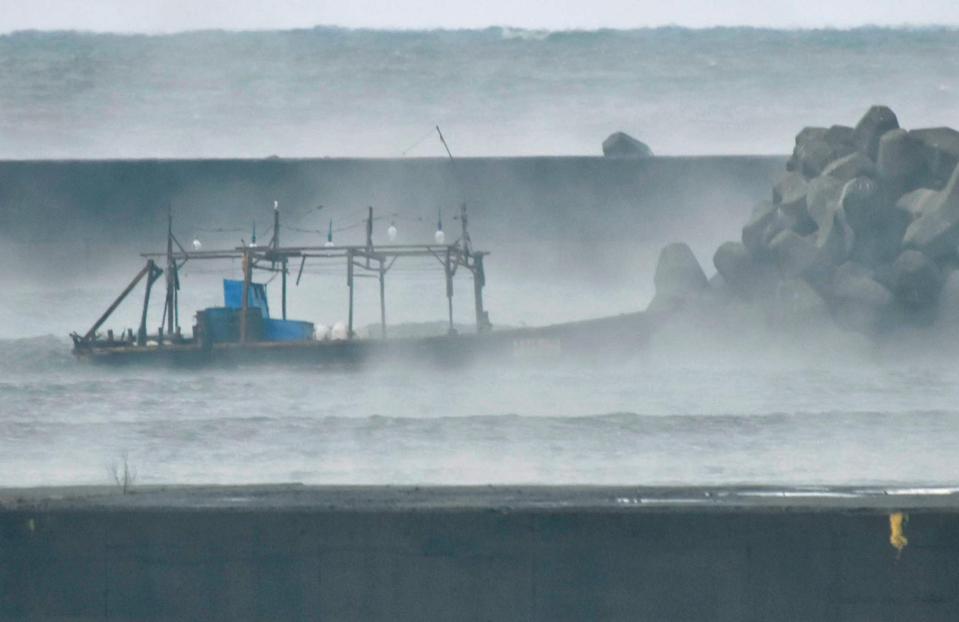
<point>693,408</point>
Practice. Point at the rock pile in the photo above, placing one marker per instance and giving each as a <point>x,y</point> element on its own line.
<point>864,227</point>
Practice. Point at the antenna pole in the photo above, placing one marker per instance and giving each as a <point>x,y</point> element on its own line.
<point>443,140</point>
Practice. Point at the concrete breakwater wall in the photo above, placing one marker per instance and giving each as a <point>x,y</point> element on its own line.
<point>55,213</point>
<point>477,554</point>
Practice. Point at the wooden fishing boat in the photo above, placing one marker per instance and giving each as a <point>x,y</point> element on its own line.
<point>242,331</point>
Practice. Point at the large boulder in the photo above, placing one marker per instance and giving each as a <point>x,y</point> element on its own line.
<point>882,242</point>
<point>915,280</point>
<point>822,198</point>
<point>940,146</point>
<point>678,274</point>
<point>851,166</point>
<point>901,162</point>
<point>743,275</point>
<point>862,203</point>
<point>790,192</point>
<point>796,303</point>
<point>795,255</point>
<point>860,302</point>
<point>948,311</point>
<point>755,238</point>
<point>877,121</point>
<point>622,145</point>
<point>936,231</point>
<point>816,147</point>
<point>836,239</point>
<point>916,202</point>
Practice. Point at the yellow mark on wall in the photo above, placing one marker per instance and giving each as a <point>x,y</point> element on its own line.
<point>897,539</point>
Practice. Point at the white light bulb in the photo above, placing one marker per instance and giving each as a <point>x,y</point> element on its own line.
<point>391,232</point>
<point>439,236</point>
<point>197,245</point>
<point>328,244</point>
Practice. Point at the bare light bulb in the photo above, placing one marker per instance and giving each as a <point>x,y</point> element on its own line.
<point>439,236</point>
<point>197,245</point>
<point>391,232</point>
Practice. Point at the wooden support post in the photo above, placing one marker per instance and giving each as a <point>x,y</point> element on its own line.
<point>176,306</point>
<point>300,273</point>
<point>349,282</point>
<point>479,280</point>
<point>276,245</point>
<point>284,287</point>
<point>448,268</point>
<point>245,306</point>
<point>148,268</point>
<point>142,332</point>
<point>369,236</point>
<point>382,298</point>
<point>170,276</point>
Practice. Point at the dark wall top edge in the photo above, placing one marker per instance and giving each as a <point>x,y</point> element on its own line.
<point>294,497</point>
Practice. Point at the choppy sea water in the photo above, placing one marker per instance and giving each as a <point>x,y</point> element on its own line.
<point>653,419</point>
<point>340,92</point>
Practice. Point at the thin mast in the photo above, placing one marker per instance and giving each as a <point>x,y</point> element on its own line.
<point>171,301</point>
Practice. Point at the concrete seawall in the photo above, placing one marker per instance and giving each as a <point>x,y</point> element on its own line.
<point>53,214</point>
<point>477,554</point>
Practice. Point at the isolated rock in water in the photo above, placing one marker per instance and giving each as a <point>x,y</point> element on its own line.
<point>851,166</point>
<point>915,279</point>
<point>860,301</point>
<point>622,145</point>
<point>744,276</point>
<point>936,231</point>
<point>940,147</point>
<point>794,254</point>
<point>877,121</point>
<point>822,199</point>
<point>901,162</point>
<point>916,202</point>
<point>754,232</point>
<point>861,202</point>
<point>678,274</point>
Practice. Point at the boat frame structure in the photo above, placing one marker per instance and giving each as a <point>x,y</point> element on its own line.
<point>362,260</point>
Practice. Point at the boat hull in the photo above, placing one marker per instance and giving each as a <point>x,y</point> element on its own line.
<point>612,336</point>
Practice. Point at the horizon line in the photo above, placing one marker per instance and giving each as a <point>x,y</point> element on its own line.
<point>904,26</point>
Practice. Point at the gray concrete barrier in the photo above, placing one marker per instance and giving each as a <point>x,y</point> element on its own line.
<point>478,554</point>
